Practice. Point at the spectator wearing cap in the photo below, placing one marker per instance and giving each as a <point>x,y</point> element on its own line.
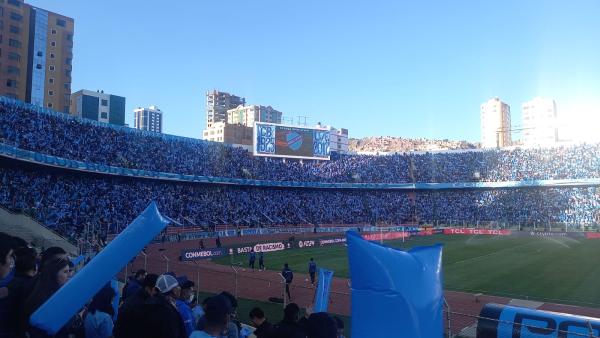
<point>263,327</point>
<point>130,319</point>
<point>161,318</point>
<point>217,311</point>
<point>134,283</point>
<point>98,322</point>
<point>183,304</point>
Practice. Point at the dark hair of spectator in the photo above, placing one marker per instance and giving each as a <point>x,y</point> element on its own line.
<point>232,301</point>
<point>45,286</point>
<point>217,310</point>
<point>140,273</point>
<point>150,280</point>
<point>102,301</point>
<point>6,244</point>
<point>50,253</point>
<point>257,313</point>
<point>291,311</point>
<point>19,242</point>
<point>25,259</point>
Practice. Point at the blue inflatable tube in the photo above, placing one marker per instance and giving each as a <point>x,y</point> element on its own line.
<point>322,291</point>
<point>395,293</point>
<point>71,298</point>
<point>504,321</point>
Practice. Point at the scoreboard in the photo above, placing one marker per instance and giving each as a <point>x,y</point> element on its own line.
<point>275,140</point>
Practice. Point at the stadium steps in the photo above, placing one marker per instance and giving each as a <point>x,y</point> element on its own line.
<point>21,225</point>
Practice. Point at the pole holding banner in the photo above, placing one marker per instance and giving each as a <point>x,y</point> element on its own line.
<point>70,299</point>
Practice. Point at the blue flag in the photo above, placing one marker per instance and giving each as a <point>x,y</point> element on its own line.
<point>71,298</point>
<point>322,292</point>
<point>395,293</point>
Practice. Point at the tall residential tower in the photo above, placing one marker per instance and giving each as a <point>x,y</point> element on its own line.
<point>539,122</point>
<point>150,119</point>
<point>495,124</point>
<point>217,105</point>
<point>36,53</point>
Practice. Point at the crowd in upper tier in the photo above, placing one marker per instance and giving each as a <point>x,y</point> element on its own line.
<point>71,138</point>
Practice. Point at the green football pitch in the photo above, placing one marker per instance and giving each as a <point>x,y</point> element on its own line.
<point>552,269</point>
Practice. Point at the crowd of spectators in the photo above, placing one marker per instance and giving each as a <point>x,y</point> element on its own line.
<point>71,201</point>
<point>154,306</point>
<point>391,144</point>
<point>71,138</point>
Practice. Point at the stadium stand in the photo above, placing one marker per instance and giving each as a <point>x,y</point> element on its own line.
<point>63,136</point>
<point>71,201</point>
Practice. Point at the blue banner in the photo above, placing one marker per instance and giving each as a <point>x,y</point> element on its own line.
<point>395,293</point>
<point>71,298</point>
<point>504,321</point>
<point>322,292</point>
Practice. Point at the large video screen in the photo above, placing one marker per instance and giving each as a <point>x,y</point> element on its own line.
<point>291,142</point>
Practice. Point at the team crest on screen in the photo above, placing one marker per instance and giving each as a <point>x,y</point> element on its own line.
<point>294,140</point>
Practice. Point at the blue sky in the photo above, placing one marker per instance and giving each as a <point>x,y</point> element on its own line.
<point>399,68</point>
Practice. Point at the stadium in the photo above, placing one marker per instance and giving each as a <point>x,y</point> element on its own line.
<point>519,227</point>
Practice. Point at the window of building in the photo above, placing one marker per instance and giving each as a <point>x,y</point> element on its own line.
<point>51,67</point>
<point>67,86</point>
<point>38,66</point>
<point>51,93</point>
<point>1,24</point>
<point>68,73</point>
<point>66,109</point>
<point>14,56</point>
<point>13,70</point>
<point>40,54</point>
<point>1,11</point>
<point>61,22</point>
<point>104,115</point>
<point>104,103</point>
<point>15,29</point>
<point>14,43</point>
<point>50,80</point>
<point>11,83</point>
<point>53,43</point>
<point>49,104</point>
<point>68,61</point>
<point>14,3</point>
<point>53,32</point>
<point>0,38</point>
<point>16,16</point>
<point>69,37</point>
<point>52,55</point>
